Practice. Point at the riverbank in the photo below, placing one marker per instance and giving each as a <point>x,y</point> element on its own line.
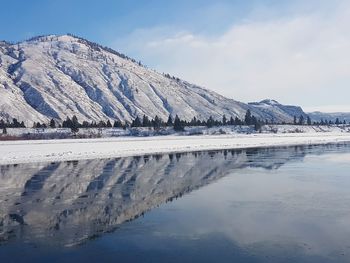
<point>13,152</point>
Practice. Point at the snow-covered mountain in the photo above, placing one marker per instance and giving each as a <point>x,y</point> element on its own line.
<point>59,76</point>
<point>319,116</point>
<point>277,111</point>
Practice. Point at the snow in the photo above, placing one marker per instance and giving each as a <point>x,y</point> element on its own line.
<point>60,133</point>
<point>60,76</point>
<point>13,152</point>
<point>278,111</point>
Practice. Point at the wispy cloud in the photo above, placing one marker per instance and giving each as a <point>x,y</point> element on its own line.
<point>302,58</point>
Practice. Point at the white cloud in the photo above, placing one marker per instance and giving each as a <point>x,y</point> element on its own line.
<point>300,59</point>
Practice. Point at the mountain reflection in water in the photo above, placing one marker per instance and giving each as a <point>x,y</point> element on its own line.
<point>66,203</point>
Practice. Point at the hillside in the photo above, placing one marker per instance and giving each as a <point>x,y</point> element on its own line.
<point>59,76</point>
<point>277,111</point>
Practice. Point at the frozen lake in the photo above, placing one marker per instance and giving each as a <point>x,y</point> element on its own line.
<point>281,204</point>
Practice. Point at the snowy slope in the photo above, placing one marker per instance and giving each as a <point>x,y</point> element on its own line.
<point>59,76</point>
<point>277,111</point>
<point>12,101</point>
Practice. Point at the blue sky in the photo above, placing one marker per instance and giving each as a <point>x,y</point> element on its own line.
<point>294,51</point>
<point>105,19</point>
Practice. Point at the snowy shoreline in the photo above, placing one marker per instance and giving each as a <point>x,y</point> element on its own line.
<point>14,152</point>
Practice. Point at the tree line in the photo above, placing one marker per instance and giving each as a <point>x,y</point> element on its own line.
<point>156,123</point>
<point>10,124</point>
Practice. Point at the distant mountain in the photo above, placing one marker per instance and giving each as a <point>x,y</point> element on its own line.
<point>318,116</point>
<point>58,76</point>
<point>277,111</point>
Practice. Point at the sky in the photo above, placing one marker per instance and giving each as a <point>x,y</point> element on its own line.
<point>296,52</point>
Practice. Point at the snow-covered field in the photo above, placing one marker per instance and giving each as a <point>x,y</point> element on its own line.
<point>12,152</point>
<point>60,133</point>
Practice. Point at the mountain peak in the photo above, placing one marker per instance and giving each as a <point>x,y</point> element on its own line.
<point>270,102</point>
<point>45,38</point>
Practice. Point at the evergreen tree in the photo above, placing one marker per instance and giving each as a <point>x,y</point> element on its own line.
<point>126,125</point>
<point>2,124</point>
<point>109,124</point>
<point>178,125</point>
<point>295,120</point>
<point>193,122</point>
<point>39,125</point>
<point>257,124</point>
<point>210,122</point>
<point>67,123</point>
<point>136,122</point>
<point>75,124</point>
<point>337,122</point>
<point>146,122</point>
<point>254,120</point>
<point>52,123</point>
<point>15,123</point>
<point>308,120</point>
<point>117,124</point>
<point>217,123</point>
<point>301,120</point>
<point>232,121</point>
<point>101,124</point>
<point>224,120</point>
<point>237,121</point>
<point>156,123</point>
<point>169,122</point>
<point>85,124</point>
<point>4,130</point>
<point>248,118</point>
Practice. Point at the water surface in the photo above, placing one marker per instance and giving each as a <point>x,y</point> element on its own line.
<point>289,204</point>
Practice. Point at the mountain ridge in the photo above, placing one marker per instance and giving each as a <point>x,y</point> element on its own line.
<point>56,76</point>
